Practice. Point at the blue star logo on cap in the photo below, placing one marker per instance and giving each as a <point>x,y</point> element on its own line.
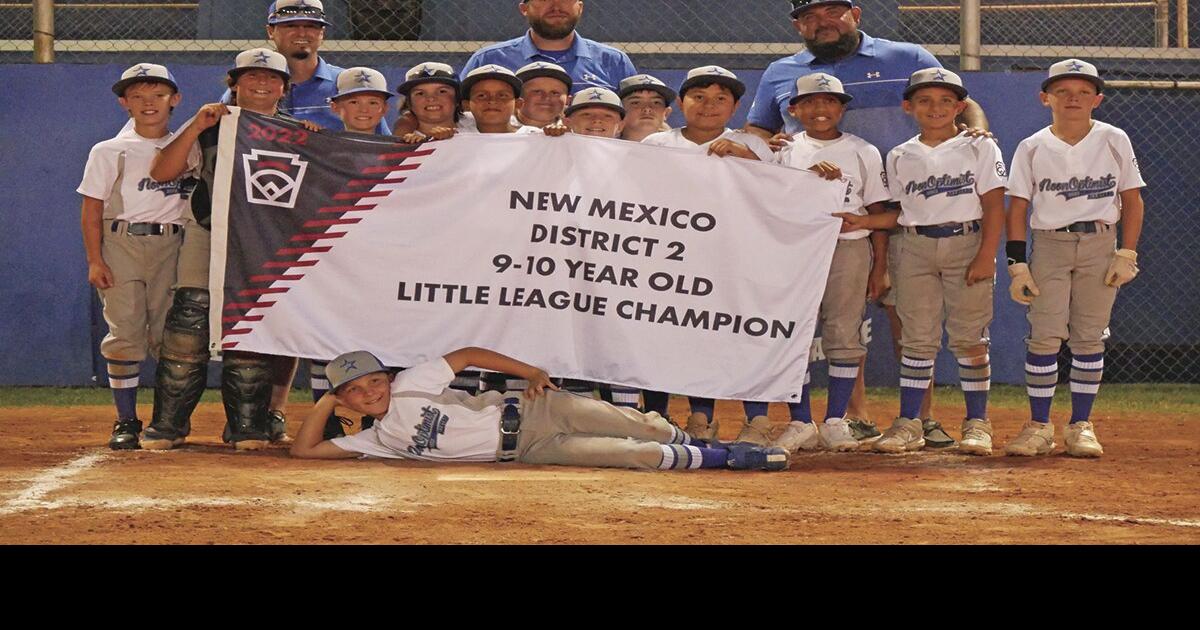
<point>939,76</point>
<point>540,66</point>
<point>823,81</point>
<point>348,365</point>
<point>1075,66</point>
<point>261,57</point>
<point>363,78</point>
<point>648,81</point>
<point>143,71</point>
<point>427,71</point>
<point>596,96</point>
<point>716,70</point>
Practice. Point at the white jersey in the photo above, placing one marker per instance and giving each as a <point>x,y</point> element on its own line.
<point>1066,184</point>
<point>136,197</point>
<point>674,138</point>
<point>862,169</point>
<point>942,184</point>
<point>428,421</point>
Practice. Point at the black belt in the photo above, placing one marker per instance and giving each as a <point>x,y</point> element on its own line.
<point>146,229</point>
<point>510,430</point>
<point>945,230</point>
<point>1086,227</point>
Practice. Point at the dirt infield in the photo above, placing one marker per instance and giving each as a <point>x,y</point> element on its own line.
<point>58,484</point>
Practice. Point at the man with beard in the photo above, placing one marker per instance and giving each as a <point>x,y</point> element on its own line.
<point>297,28</point>
<point>551,37</point>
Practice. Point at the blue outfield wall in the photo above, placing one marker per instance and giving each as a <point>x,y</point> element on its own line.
<point>51,116</point>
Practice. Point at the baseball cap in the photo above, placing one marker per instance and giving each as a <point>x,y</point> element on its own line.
<point>715,74</point>
<point>490,71</point>
<point>1074,69</point>
<point>799,6</point>
<point>144,72</point>
<point>545,69</point>
<point>351,365</point>
<point>819,83</point>
<point>264,58</point>
<point>428,72</point>
<point>935,77</point>
<point>360,79</point>
<point>282,11</point>
<point>639,82</point>
<point>595,97</point>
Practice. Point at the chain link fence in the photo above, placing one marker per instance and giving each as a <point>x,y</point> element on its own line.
<point>1141,47</point>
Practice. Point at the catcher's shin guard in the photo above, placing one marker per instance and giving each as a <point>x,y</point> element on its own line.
<point>246,392</point>
<point>182,365</point>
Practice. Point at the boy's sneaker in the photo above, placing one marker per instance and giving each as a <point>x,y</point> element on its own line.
<point>836,435</point>
<point>862,429</point>
<point>277,427</point>
<point>1035,438</point>
<point>935,435</point>
<point>757,430</point>
<point>161,438</point>
<point>798,436</point>
<point>701,428</point>
<point>1081,440</point>
<point>745,456</point>
<point>905,434</point>
<point>976,437</point>
<point>125,434</point>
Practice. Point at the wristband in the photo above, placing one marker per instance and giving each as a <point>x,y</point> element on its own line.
<point>1015,251</point>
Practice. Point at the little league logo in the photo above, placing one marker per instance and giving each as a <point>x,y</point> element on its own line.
<point>273,178</point>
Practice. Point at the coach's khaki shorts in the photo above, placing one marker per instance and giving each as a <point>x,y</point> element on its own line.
<point>845,301</point>
<point>193,257</point>
<point>931,287</point>
<point>574,430</point>
<point>1075,305</point>
<point>135,307</point>
<point>895,243</point>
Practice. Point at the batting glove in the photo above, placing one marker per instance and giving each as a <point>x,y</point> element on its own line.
<point>1122,269</point>
<point>1022,288</point>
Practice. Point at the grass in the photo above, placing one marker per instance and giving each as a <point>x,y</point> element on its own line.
<point>1147,397</point>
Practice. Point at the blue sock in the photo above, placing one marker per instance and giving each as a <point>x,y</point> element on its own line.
<point>915,376</point>
<point>1041,377</point>
<point>802,411</point>
<point>703,405</point>
<point>688,457</point>
<point>975,379</point>
<point>754,408</point>
<point>317,379</point>
<point>841,387</point>
<point>123,380</point>
<point>126,400</point>
<point>655,401</point>
<point>1087,370</point>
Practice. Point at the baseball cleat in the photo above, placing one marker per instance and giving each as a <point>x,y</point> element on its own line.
<point>836,435</point>
<point>161,438</point>
<point>935,435</point>
<point>905,434</point>
<point>1081,440</point>
<point>798,436</point>
<point>277,427</point>
<point>125,434</point>
<point>757,430</point>
<point>976,437</point>
<point>745,456</point>
<point>250,445</point>
<point>862,429</point>
<point>701,428</point>
<point>1035,438</point>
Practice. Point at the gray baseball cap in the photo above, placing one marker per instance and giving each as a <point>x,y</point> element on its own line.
<point>283,11</point>
<point>715,74</point>
<point>639,82</point>
<point>428,72</point>
<point>819,83</point>
<point>143,73</point>
<point>799,6</point>
<point>1074,69</point>
<point>361,79</point>
<point>935,77</point>
<point>544,69</point>
<point>490,71</point>
<point>595,97</point>
<point>264,58</point>
<point>351,365</point>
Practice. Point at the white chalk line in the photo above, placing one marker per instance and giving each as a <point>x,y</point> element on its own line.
<point>520,476</point>
<point>48,481</point>
<point>1136,520</point>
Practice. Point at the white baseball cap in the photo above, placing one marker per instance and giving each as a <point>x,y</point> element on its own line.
<point>144,72</point>
<point>360,79</point>
<point>935,77</point>
<point>539,69</point>
<point>819,83</point>
<point>595,97</point>
<point>490,71</point>
<point>428,72</point>
<point>639,82</point>
<point>282,11</point>
<point>264,58</point>
<point>1074,69</point>
<point>715,74</point>
<point>351,365</point>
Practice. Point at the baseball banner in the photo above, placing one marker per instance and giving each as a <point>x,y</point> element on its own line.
<point>596,259</point>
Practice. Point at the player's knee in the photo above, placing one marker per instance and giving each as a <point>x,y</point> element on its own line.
<point>1043,346</point>
<point>189,311</point>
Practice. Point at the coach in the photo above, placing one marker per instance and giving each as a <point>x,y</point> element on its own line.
<point>873,71</point>
<point>552,37</point>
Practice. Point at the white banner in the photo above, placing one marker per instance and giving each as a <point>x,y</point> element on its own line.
<point>595,259</point>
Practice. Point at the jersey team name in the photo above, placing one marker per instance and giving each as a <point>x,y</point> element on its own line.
<point>182,186</point>
<point>1077,187</point>
<point>433,424</point>
<point>949,185</point>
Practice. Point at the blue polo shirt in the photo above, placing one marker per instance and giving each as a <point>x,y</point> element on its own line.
<point>875,76</point>
<point>590,64</point>
<point>308,100</point>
